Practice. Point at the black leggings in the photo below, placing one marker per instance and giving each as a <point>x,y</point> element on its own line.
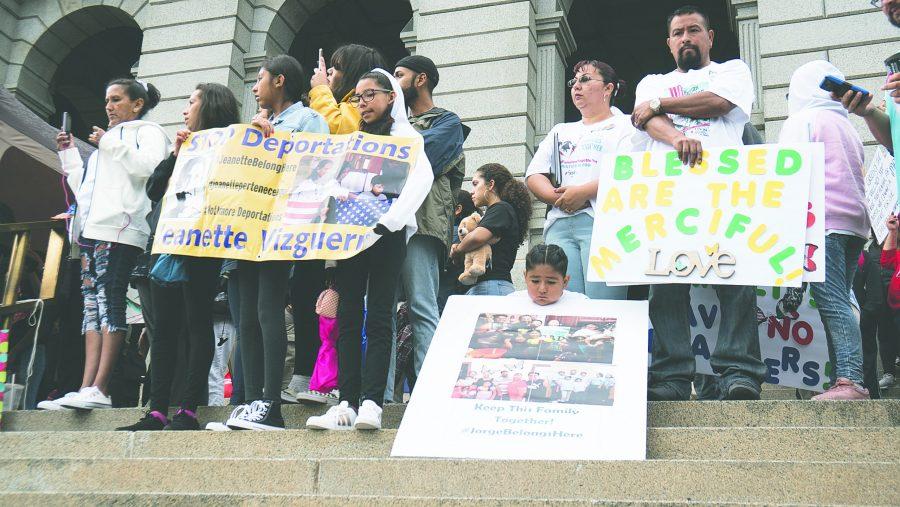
<point>376,272</point>
<point>306,285</point>
<point>263,296</point>
<point>194,301</point>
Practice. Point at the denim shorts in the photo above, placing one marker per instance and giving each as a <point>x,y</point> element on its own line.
<point>105,270</point>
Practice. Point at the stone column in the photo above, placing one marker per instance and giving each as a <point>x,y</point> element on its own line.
<point>252,63</point>
<point>747,29</point>
<point>555,43</point>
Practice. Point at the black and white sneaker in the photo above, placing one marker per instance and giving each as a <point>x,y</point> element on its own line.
<point>261,415</point>
<point>330,398</point>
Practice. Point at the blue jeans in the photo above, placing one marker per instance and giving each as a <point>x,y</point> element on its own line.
<point>736,355</point>
<point>492,288</point>
<point>573,235</point>
<point>833,300</point>
<point>420,279</point>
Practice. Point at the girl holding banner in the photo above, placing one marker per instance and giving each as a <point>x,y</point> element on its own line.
<point>332,88</point>
<point>814,117</point>
<point>111,230</point>
<point>573,152</point>
<point>263,286</point>
<point>373,273</point>
<point>211,105</point>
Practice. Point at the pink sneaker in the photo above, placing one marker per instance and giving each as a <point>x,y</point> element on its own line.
<point>844,389</point>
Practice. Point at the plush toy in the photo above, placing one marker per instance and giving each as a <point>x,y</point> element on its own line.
<point>476,260</point>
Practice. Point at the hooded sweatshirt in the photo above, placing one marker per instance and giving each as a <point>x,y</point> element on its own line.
<point>418,183</point>
<point>112,204</point>
<point>342,117</point>
<point>815,117</point>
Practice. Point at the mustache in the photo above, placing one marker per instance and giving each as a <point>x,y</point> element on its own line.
<point>688,46</point>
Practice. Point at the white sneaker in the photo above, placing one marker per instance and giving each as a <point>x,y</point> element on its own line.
<point>369,417</point>
<point>55,404</point>
<point>338,417</point>
<point>887,380</point>
<point>87,399</point>
<point>330,398</point>
<point>218,426</point>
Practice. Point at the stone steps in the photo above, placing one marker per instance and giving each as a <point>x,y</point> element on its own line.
<point>755,444</point>
<point>229,500</point>
<point>738,453</point>
<point>626,481</point>
<point>773,413</point>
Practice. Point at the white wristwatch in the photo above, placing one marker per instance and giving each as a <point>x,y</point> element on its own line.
<point>655,105</point>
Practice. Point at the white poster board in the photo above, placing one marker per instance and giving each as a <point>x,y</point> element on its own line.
<point>881,191</point>
<point>794,348</point>
<point>496,385</point>
<point>737,219</point>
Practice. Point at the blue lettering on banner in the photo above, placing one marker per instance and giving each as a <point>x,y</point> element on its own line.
<point>253,138</point>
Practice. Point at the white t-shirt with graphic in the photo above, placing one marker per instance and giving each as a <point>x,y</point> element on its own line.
<point>730,80</point>
<point>580,149</point>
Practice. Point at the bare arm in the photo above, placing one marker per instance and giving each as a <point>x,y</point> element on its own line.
<point>476,239</point>
<point>540,186</point>
<point>877,121</point>
<point>698,105</point>
<point>661,128</point>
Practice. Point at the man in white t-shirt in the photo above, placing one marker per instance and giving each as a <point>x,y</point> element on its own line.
<point>701,103</point>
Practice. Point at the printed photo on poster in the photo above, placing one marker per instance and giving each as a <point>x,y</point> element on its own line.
<point>535,382</point>
<point>544,338</point>
<point>505,378</point>
<point>188,186</point>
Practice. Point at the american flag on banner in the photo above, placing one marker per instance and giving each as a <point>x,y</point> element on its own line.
<point>301,212</point>
<point>361,212</point>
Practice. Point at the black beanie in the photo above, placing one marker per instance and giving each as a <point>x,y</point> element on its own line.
<point>423,64</point>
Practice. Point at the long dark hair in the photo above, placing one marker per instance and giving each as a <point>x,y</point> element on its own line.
<point>381,126</point>
<point>464,199</point>
<point>136,90</point>
<point>296,82</point>
<point>510,190</point>
<point>218,106</point>
<point>549,255</point>
<point>354,60</point>
<point>608,74</point>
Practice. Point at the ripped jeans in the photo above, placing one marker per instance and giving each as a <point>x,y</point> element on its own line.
<point>105,269</point>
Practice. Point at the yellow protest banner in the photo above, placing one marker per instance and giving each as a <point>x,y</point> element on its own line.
<point>239,195</point>
<point>740,217</point>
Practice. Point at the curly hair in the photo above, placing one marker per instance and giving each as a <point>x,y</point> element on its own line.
<point>510,190</point>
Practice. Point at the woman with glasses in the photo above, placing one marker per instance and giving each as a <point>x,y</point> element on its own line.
<point>331,89</point>
<point>565,171</point>
<point>373,273</point>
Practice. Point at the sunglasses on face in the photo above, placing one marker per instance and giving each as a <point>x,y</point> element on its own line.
<point>366,96</point>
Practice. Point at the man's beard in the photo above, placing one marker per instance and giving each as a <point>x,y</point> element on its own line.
<point>410,95</point>
<point>689,60</point>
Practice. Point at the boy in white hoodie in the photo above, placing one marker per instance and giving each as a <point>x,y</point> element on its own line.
<point>110,224</point>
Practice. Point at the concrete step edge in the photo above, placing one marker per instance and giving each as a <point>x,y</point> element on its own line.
<point>762,444</point>
<point>229,499</point>
<point>631,481</point>
<point>660,414</point>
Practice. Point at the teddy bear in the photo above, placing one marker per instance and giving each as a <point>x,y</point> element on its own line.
<point>476,260</point>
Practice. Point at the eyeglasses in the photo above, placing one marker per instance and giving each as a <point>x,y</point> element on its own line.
<point>366,96</point>
<point>583,80</point>
<point>875,3</point>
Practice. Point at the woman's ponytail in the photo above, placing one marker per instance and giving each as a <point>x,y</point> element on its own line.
<point>510,190</point>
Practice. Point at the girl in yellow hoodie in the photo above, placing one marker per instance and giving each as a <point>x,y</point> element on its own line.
<point>348,64</point>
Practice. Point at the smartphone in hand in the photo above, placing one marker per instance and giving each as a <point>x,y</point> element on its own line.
<point>66,124</point>
<point>840,87</point>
